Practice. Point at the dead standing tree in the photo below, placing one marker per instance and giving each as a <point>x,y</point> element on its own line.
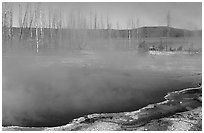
<point>11,24</point>
<point>31,14</point>
<point>138,40</point>
<point>95,21</point>
<point>168,19</point>
<point>59,28</point>
<point>108,27</point>
<point>55,27</point>
<point>7,25</point>
<point>23,21</point>
<point>36,24</point>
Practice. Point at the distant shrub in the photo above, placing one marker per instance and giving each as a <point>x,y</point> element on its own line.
<point>160,47</point>
<point>180,48</point>
<point>143,47</point>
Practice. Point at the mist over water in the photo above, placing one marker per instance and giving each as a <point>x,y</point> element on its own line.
<point>65,60</point>
<point>52,91</point>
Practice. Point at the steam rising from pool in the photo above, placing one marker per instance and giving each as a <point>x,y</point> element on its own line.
<point>53,95</point>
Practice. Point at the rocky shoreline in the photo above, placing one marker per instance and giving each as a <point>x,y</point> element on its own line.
<point>181,111</point>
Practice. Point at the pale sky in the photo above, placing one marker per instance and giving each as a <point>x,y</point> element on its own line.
<point>183,15</point>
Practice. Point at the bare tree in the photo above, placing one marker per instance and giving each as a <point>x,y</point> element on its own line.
<point>24,22</point>
<point>138,24</point>
<point>95,21</point>
<point>102,23</point>
<point>11,23</point>
<point>31,20</point>
<point>90,20</point>
<point>4,27</point>
<point>37,6</point>
<point>108,23</point>
<point>118,26</point>
<point>7,25</point>
<point>59,27</point>
<point>50,25</point>
<point>4,7</point>
<point>132,23</point>
<point>20,16</point>
<point>168,18</point>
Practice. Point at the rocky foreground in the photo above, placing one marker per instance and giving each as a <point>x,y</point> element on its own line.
<point>182,111</point>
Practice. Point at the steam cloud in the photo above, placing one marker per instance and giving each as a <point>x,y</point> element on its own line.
<point>49,96</point>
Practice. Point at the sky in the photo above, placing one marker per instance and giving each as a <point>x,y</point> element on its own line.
<point>186,15</point>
